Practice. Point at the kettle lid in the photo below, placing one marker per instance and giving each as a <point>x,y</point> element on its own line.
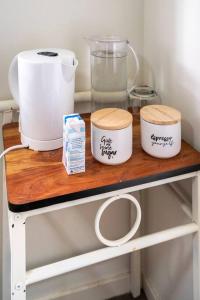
<point>48,55</point>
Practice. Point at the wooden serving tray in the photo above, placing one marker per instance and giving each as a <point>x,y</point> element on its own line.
<point>38,179</point>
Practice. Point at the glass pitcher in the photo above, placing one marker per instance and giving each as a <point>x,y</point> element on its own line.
<point>109,71</point>
<point>143,95</point>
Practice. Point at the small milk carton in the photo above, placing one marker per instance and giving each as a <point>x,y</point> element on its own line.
<point>73,143</point>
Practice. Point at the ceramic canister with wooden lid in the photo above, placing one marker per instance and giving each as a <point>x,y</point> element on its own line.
<point>160,130</point>
<point>111,135</point>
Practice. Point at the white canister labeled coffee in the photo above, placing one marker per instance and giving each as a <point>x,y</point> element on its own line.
<point>111,135</point>
<point>160,130</point>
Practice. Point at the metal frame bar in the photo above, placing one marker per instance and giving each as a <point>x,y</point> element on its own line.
<point>196,239</point>
<point>20,278</point>
<point>88,259</point>
<point>6,264</point>
<point>135,257</point>
<point>18,256</point>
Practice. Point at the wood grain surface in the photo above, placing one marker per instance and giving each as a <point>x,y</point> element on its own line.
<point>34,177</point>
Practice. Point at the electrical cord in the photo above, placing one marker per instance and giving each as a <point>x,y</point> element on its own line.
<point>12,148</point>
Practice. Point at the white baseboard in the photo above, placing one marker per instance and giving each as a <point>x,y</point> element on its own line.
<point>98,290</point>
<point>149,289</point>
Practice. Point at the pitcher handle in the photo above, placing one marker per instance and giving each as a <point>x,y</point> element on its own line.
<point>137,67</point>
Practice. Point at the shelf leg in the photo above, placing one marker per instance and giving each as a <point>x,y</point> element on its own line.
<point>6,264</point>
<point>18,256</point>
<point>135,262</point>
<point>196,239</point>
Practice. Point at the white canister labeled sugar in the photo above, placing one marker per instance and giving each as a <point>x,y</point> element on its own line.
<point>160,130</point>
<point>111,135</point>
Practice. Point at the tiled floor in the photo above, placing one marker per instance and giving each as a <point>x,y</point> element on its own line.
<point>129,297</point>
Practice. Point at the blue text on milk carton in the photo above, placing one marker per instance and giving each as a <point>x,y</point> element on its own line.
<point>74,143</point>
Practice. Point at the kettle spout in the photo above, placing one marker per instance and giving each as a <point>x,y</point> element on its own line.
<point>69,70</point>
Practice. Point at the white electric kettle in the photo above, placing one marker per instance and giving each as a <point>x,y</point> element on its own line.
<point>42,83</point>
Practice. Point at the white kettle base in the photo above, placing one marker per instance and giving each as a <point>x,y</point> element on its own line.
<point>38,145</point>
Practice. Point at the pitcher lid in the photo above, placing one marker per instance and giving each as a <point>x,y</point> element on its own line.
<point>107,39</point>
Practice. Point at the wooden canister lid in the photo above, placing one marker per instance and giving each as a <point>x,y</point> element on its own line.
<point>111,118</point>
<point>160,114</point>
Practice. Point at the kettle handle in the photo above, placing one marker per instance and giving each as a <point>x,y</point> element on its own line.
<point>13,79</point>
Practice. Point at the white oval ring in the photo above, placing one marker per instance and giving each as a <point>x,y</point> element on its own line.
<point>133,230</point>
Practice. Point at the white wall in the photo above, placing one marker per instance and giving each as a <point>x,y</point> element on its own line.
<point>64,23</point>
<point>172,62</point>
<point>171,51</point>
